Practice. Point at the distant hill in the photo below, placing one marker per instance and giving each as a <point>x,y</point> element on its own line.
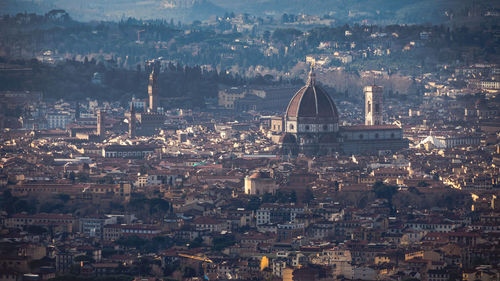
<point>344,11</point>
<point>374,11</point>
<point>114,10</point>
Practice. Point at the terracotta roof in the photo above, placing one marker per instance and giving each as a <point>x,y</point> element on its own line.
<point>43,216</point>
<point>312,101</point>
<point>370,127</point>
<point>259,175</point>
<point>205,220</point>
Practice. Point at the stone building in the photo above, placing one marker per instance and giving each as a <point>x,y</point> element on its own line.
<point>311,125</point>
<point>259,183</point>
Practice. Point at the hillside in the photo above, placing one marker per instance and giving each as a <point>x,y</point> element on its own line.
<point>344,11</point>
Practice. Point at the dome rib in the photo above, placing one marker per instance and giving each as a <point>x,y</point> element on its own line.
<point>312,101</point>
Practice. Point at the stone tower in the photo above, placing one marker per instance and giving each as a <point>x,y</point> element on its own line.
<point>100,123</point>
<point>373,105</point>
<point>132,121</point>
<point>153,87</point>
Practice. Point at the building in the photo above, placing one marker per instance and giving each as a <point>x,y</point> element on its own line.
<point>227,97</point>
<point>367,139</point>
<point>450,140</point>
<point>311,122</point>
<point>93,225</point>
<point>259,183</point>
<point>119,191</point>
<point>153,87</point>
<point>113,232</point>
<point>339,258</point>
<point>58,120</point>
<point>158,177</point>
<point>311,126</point>
<point>373,105</point>
<point>487,85</point>
<point>100,123</point>
<point>276,213</point>
<point>147,122</point>
<point>65,259</point>
<point>140,105</point>
<point>127,151</point>
<point>131,122</point>
<point>58,222</point>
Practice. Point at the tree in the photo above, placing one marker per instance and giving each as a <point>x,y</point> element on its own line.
<point>131,242</point>
<point>293,197</point>
<point>267,35</point>
<point>35,229</point>
<point>422,184</point>
<point>63,197</point>
<point>308,196</point>
<point>384,191</point>
<point>219,243</point>
<point>83,177</point>
<point>253,203</point>
<point>84,258</point>
<point>196,243</point>
<point>268,198</point>
<point>189,272</point>
<point>72,176</point>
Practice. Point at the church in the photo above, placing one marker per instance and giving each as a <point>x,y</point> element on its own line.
<point>310,125</point>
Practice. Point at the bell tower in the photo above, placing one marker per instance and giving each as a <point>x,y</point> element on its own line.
<point>373,105</point>
<point>100,123</point>
<point>153,87</point>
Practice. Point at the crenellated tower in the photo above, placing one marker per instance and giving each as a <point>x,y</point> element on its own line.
<point>153,87</point>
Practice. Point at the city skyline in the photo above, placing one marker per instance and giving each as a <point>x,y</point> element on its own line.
<point>250,140</point>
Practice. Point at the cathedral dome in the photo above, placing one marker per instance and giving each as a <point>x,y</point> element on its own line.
<point>312,101</point>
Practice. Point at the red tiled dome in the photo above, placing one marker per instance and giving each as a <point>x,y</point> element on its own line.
<point>312,101</point>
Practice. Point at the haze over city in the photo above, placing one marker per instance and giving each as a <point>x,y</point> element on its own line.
<point>249,140</point>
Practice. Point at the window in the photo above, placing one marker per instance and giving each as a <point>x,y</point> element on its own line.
<point>392,135</point>
<point>376,135</point>
<point>360,136</point>
<point>291,126</point>
<point>307,127</point>
<point>377,108</point>
<point>325,127</point>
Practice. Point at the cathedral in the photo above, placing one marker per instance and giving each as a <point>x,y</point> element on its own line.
<point>311,125</point>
